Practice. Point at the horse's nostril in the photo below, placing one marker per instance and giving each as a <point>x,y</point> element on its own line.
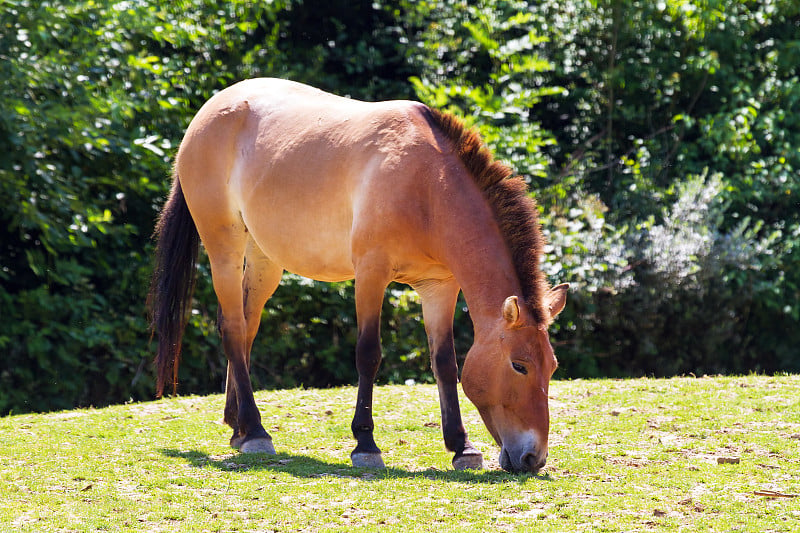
<point>532,463</point>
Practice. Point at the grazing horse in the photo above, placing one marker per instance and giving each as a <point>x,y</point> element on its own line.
<point>274,175</point>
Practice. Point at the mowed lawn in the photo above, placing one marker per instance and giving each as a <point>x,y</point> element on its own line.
<point>707,454</point>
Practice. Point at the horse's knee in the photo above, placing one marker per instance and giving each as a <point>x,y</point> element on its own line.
<point>368,354</point>
<point>445,366</point>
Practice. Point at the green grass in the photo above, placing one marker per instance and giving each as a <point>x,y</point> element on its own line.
<point>632,455</point>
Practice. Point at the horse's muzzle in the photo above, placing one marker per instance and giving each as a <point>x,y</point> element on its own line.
<point>526,460</point>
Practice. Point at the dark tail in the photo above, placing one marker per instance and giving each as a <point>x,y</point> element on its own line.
<point>173,283</point>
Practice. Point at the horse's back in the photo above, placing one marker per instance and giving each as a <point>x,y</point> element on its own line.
<point>305,170</point>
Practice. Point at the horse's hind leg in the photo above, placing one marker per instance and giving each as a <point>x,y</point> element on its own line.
<point>261,278</point>
<point>438,306</point>
<point>226,244</point>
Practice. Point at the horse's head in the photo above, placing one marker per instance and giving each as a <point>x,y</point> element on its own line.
<point>507,376</point>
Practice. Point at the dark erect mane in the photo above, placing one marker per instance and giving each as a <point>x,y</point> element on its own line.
<point>514,210</point>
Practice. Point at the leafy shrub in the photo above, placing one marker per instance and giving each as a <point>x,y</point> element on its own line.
<point>679,296</point>
<point>97,98</point>
<point>661,141</point>
<point>672,272</point>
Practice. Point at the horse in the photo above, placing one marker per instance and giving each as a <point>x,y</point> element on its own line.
<point>273,176</point>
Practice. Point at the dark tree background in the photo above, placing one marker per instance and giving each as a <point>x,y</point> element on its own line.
<point>662,141</point>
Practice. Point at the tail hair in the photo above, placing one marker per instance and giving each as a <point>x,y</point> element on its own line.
<point>173,282</point>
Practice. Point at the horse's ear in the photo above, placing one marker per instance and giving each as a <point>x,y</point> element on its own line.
<point>511,310</point>
<point>556,299</point>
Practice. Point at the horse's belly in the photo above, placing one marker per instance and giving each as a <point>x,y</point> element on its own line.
<point>299,208</point>
<point>312,264</point>
<point>317,251</point>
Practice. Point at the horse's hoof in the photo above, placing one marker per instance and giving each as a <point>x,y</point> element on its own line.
<point>367,460</point>
<point>468,462</point>
<point>258,446</point>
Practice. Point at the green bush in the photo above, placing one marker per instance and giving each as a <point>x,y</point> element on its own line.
<point>689,92</point>
<point>661,139</point>
<point>97,96</point>
<point>633,105</point>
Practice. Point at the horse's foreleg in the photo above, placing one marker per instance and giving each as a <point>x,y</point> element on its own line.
<point>370,286</point>
<point>261,278</point>
<point>438,306</point>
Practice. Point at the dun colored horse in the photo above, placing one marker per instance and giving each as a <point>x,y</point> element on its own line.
<point>273,175</point>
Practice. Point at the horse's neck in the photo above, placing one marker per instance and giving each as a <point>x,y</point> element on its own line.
<point>475,252</point>
<point>486,278</point>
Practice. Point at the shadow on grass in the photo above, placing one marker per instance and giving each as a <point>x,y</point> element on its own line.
<point>307,467</point>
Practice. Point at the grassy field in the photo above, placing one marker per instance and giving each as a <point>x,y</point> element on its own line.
<point>709,454</point>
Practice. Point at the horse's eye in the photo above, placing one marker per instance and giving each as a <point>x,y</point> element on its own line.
<point>520,368</point>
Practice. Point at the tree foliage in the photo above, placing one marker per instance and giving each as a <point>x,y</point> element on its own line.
<point>681,120</point>
<point>662,140</point>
